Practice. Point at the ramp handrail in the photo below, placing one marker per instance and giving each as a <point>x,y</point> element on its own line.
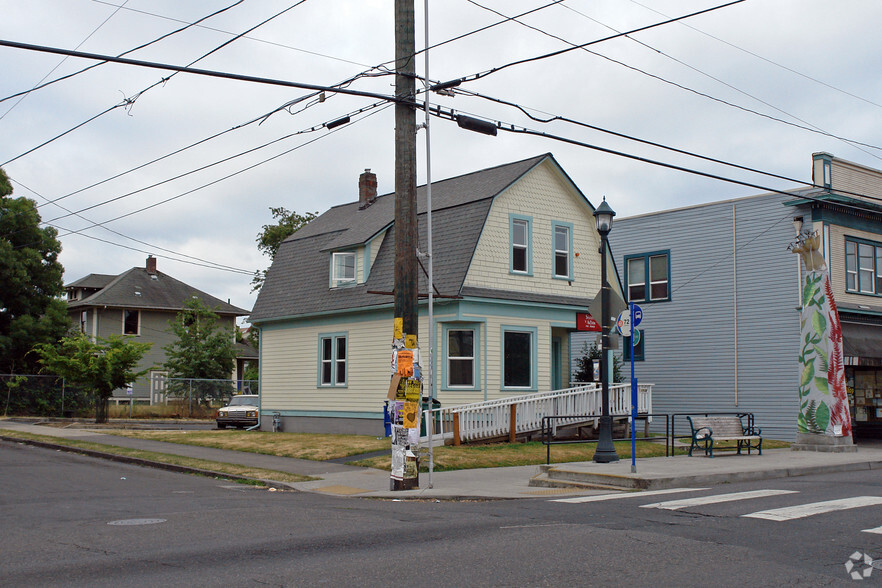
<point>496,418</point>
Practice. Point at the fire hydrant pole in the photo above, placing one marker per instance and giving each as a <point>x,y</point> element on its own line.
<point>406,241</point>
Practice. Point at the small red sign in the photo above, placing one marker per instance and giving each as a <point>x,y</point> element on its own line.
<point>586,322</point>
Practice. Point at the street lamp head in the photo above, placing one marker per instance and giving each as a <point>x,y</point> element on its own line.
<point>603,216</point>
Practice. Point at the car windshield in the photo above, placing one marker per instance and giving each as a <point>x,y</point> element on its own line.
<point>243,401</point>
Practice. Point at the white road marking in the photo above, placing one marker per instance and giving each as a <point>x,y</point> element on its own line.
<point>600,497</point>
<point>876,530</point>
<point>702,500</point>
<point>814,508</point>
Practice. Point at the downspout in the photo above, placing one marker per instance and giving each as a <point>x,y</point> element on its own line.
<point>735,294</point>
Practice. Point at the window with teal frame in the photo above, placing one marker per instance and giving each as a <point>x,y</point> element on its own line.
<point>519,358</point>
<point>520,244</point>
<point>461,356</point>
<point>332,360</point>
<point>562,245</point>
<point>648,277</point>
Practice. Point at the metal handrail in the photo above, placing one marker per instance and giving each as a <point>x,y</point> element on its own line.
<point>548,432</point>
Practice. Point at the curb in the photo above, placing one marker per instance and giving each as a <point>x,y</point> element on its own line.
<point>152,464</point>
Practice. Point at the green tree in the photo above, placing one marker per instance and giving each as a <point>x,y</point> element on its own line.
<point>203,351</point>
<point>271,236</point>
<point>585,370</point>
<point>101,366</point>
<point>31,310</point>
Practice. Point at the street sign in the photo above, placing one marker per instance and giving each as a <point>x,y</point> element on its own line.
<point>586,322</point>
<point>623,323</point>
<point>638,315</point>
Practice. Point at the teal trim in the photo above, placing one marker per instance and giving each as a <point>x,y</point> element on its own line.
<point>871,223</point>
<point>556,363</point>
<point>876,270</point>
<point>334,337</point>
<point>534,357</point>
<point>511,223</point>
<point>647,256</point>
<point>343,315</point>
<point>521,310</point>
<point>475,327</point>
<point>569,228</point>
<point>343,414</point>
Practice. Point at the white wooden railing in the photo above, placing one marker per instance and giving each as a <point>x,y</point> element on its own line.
<point>517,415</point>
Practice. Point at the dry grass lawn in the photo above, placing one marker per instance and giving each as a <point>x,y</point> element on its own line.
<point>300,445</point>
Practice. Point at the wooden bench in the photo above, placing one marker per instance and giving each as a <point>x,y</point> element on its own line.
<point>706,430</point>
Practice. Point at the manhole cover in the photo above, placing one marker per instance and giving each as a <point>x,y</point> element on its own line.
<point>126,522</point>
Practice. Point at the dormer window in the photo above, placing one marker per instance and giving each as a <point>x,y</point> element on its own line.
<point>342,269</point>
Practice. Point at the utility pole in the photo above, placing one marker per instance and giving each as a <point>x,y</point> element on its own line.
<point>405,348</point>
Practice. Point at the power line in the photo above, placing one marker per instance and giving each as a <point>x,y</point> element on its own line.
<point>511,128</point>
<point>41,85</point>
<point>130,101</point>
<point>811,127</point>
<point>36,87</point>
<point>493,70</point>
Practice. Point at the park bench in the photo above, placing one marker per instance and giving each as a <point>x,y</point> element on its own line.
<point>706,430</point>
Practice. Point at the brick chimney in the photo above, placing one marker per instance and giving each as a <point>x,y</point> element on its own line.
<point>367,189</point>
<point>151,264</point>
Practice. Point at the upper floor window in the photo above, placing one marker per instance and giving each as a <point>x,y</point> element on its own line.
<point>563,250</point>
<point>521,238</point>
<point>130,322</point>
<point>332,360</point>
<point>648,277</point>
<point>863,267</point>
<point>342,268</point>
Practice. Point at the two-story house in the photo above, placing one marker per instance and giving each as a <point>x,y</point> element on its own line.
<point>720,293</point>
<point>515,254</point>
<point>140,302</point>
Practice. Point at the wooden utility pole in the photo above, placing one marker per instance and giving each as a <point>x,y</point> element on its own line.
<point>406,235</point>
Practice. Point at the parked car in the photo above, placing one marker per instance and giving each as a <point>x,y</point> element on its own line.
<point>241,412</point>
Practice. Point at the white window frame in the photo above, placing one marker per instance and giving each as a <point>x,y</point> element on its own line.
<point>566,230</point>
<point>338,280</point>
<point>461,358</point>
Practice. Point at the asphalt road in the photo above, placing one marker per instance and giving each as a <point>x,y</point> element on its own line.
<point>69,520</point>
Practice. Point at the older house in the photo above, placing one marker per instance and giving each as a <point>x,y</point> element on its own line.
<point>515,258</point>
<point>139,302</point>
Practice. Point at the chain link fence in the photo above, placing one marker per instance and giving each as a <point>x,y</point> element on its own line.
<point>45,396</point>
<point>194,393</point>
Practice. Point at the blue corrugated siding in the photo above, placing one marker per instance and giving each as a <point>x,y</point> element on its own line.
<point>690,340</point>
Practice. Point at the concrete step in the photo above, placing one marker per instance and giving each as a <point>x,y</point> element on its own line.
<point>560,473</point>
<point>543,481</point>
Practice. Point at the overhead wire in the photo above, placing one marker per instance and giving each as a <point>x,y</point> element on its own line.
<point>810,127</point>
<point>57,65</point>
<point>130,101</point>
<point>40,85</point>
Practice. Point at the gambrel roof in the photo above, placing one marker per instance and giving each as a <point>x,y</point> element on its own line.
<point>297,283</point>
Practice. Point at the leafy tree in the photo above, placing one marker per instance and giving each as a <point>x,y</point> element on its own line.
<point>31,311</point>
<point>101,366</point>
<point>271,236</point>
<point>203,351</point>
<point>585,370</point>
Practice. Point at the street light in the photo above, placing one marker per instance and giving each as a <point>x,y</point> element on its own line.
<point>606,451</point>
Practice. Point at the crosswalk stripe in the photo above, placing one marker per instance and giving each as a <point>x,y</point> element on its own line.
<point>876,530</point>
<point>702,500</point>
<point>814,508</point>
<point>600,497</point>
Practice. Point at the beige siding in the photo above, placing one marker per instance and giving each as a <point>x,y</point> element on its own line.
<point>375,246</point>
<point>836,260</point>
<point>545,196</point>
<point>851,177</point>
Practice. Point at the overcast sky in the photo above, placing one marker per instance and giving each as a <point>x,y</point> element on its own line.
<point>743,84</point>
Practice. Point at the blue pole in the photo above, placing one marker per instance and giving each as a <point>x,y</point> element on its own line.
<point>633,395</point>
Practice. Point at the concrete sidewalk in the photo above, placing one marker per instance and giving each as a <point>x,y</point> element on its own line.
<point>582,478</point>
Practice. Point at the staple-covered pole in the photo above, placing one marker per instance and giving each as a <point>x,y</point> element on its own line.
<point>406,235</point>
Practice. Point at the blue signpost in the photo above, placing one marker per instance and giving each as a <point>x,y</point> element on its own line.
<point>636,318</point>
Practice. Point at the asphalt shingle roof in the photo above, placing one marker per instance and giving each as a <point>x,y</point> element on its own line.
<point>136,288</point>
<point>297,283</point>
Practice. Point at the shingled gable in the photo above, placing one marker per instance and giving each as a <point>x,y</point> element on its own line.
<point>138,288</point>
<point>297,282</point>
